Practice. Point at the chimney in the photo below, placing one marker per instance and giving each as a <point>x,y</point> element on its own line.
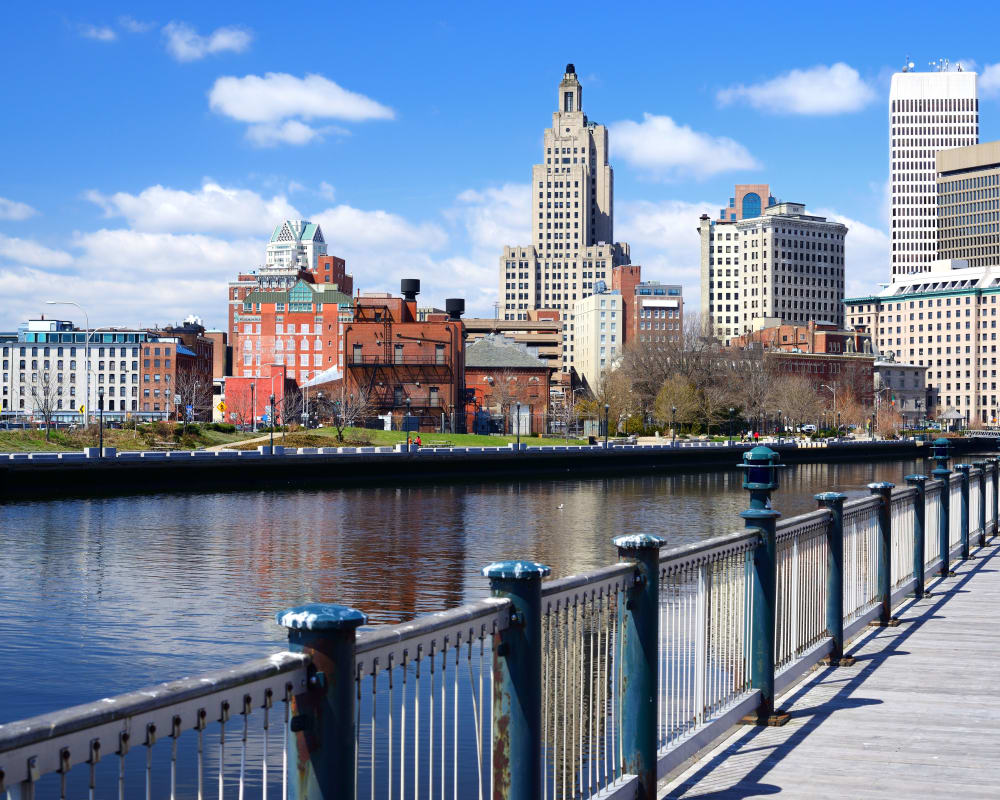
<point>409,288</point>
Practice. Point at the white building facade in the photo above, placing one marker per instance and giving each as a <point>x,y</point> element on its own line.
<point>783,265</point>
<point>295,243</point>
<point>599,331</point>
<point>572,221</point>
<point>928,112</point>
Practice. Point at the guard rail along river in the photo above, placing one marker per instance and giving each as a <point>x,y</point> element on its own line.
<point>591,685</point>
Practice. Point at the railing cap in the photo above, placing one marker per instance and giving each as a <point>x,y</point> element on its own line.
<point>638,541</point>
<point>979,464</point>
<point>827,497</point>
<point>915,478</point>
<point>881,485</point>
<point>320,617</point>
<point>516,569</point>
<point>963,467</point>
<point>760,513</point>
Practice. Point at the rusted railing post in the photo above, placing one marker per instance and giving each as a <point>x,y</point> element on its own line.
<point>883,490</point>
<point>919,515</point>
<point>981,522</point>
<point>834,501</point>
<point>963,472</point>
<point>321,716</point>
<point>639,623</point>
<point>517,681</point>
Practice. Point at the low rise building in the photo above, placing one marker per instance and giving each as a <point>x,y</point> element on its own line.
<point>541,333</point>
<point>903,388</point>
<point>813,337</point>
<point>657,313</point>
<point>598,333</point>
<point>507,381</point>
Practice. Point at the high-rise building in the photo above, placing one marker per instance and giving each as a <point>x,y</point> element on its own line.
<point>296,243</point>
<point>782,264</point>
<point>928,112</point>
<point>968,185</point>
<point>572,220</point>
<point>599,330</point>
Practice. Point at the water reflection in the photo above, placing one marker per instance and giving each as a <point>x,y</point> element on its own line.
<point>104,595</point>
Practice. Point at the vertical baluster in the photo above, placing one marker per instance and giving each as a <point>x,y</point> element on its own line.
<point>701,643</point>
<point>578,650</point>
<point>150,741</point>
<point>430,720</point>
<point>372,727</point>
<point>284,741</point>
<point>175,732</point>
<point>593,688</point>
<point>243,744</point>
<point>200,726</point>
<point>357,733</point>
<point>402,733</point>
<point>444,710</point>
<point>268,701</point>
<point>391,709</point>
<point>565,696</point>
<point>93,758</point>
<point>546,689</point>
<point>454,720</point>
<point>223,719</point>
<point>123,745</point>
<point>416,723</point>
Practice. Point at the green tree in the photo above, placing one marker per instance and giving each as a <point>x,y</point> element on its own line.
<point>677,392</point>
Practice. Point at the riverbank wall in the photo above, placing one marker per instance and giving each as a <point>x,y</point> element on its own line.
<point>51,475</point>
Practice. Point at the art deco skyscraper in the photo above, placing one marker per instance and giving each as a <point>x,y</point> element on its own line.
<point>928,112</point>
<point>572,219</point>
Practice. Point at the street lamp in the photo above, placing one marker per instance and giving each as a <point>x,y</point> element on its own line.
<point>673,427</point>
<point>272,423</point>
<point>86,351</point>
<point>284,381</point>
<point>253,406</point>
<point>518,422</point>
<point>731,412</point>
<point>607,408</point>
<point>100,406</point>
<point>407,424</point>
<point>781,427</point>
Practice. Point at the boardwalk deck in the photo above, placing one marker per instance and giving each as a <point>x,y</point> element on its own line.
<point>918,716</point>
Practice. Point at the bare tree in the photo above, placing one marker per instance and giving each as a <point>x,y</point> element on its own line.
<point>564,412</point>
<point>196,392</point>
<point>347,411</point>
<point>289,406</point>
<point>503,393</point>
<point>44,398</point>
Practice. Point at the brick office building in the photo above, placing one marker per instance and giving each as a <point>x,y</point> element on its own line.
<point>500,374</point>
<point>813,337</point>
<point>405,365</point>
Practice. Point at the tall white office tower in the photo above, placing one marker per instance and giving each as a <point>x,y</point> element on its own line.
<point>572,220</point>
<point>928,111</point>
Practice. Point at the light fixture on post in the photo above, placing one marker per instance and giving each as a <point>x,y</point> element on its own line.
<point>100,406</point>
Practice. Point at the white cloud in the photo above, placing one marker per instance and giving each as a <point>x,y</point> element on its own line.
<point>184,43</point>
<point>278,95</point>
<point>133,25</point>
<point>100,33</point>
<point>211,209</point>
<point>354,229</point>
<point>667,149</point>
<point>27,251</point>
<point>11,209</point>
<point>866,255</point>
<point>989,80</point>
<point>818,90</point>
<point>495,216</point>
<point>326,191</point>
<point>291,131</point>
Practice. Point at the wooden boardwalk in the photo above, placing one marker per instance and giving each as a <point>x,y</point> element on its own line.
<point>918,716</point>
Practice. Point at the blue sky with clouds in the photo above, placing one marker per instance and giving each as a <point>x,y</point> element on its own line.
<point>148,151</point>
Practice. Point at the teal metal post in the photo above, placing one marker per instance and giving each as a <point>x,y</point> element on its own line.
<point>517,678</point>
<point>834,501</point>
<point>943,474</point>
<point>321,717</point>
<point>919,512</point>
<point>884,552</point>
<point>963,471</point>
<point>981,466</point>
<point>761,468</point>
<point>994,463</point>
<point>639,623</point>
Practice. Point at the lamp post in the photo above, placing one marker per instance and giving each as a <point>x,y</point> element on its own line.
<point>284,381</point>
<point>86,352</point>
<point>607,408</point>
<point>781,428</point>
<point>673,425</point>
<point>731,411</point>
<point>319,406</point>
<point>838,424</point>
<point>832,389</point>
<point>100,407</point>
<point>272,423</point>
<point>253,406</point>
<point>518,423</point>
<point>407,424</point>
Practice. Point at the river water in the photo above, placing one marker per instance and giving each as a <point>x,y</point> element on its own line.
<point>100,596</point>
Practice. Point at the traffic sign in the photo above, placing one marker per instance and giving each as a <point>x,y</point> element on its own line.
<point>82,409</point>
<point>222,405</point>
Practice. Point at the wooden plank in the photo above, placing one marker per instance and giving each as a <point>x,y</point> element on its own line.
<point>917,717</point>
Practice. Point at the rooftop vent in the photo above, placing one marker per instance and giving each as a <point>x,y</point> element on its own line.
<point>455,306</point>
<point>409,288</point>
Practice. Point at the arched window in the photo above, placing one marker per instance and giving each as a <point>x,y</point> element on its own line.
<point>751,205</point>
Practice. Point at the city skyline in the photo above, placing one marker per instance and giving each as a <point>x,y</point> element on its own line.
<point>164,151</point>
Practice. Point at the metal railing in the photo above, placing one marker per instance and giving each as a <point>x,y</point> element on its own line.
<point>440,706</point>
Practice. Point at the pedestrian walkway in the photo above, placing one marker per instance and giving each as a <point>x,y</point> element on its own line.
<point>917,716</point>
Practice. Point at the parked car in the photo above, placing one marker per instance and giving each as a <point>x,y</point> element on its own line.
<point>807,429</point>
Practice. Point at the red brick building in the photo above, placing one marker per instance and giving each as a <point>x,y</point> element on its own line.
<point>625,278</point>
<point>405,365</point>
<point>813,337</point>
<point>247,399</point>
<point>499,374</point>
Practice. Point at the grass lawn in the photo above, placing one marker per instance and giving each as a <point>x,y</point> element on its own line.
<point>327,437</point>
<point>147,437</point>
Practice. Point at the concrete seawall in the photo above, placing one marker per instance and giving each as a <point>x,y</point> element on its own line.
<point>54,477</point>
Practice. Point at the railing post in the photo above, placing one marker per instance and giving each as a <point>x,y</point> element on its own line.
<point>919,512</point>
<point>994,463</point>
<point>517,681</point>
<point>943,474</point>
<point>963,471</point>
<point>883,491</point>
<point>321,718</point>
<point>639,623</point>
<point>760,478</point>
<point>981,466</point>
<point>834,501</point>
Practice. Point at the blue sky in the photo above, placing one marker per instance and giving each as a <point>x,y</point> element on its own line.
<point>146,155</point>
